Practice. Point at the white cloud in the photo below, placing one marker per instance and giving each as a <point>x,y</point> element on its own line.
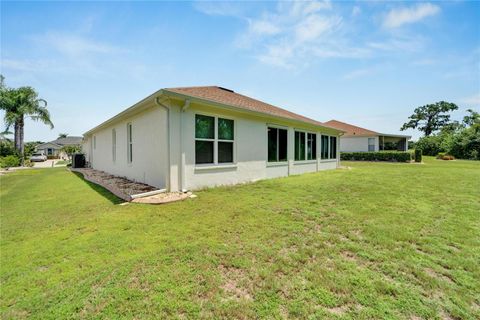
<point>359,73</point>
<point>73,45</point>
<point>296,32</point>
<point>263,27</point>
<point>356,11</point>
<point>314,26</point>
<point>401,16</point>
<point>218,8</point>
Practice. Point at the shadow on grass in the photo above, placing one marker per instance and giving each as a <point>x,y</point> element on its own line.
<point>100,190</point>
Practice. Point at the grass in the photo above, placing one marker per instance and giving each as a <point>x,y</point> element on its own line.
<point>383,240</point>
<point>61,162</point>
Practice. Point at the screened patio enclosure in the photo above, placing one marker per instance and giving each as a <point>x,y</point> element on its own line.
<point>393,142</point>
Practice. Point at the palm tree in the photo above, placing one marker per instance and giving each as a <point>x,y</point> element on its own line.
<point>19,104</point>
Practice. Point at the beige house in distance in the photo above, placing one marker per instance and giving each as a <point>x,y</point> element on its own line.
<point>194,137</point>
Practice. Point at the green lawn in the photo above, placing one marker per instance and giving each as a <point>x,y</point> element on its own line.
<point>382,240</point>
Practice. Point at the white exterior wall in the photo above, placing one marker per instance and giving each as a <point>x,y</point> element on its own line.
<point>357,144</point>
<point>149,158</point>
<point>152,136</point>
<point>250,153</point>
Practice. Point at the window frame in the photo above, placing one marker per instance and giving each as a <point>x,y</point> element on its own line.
<point>277,161</point>
<point>306,132</point>
<point>370,145</point>
<point>215,140</point>
<point>328,158</point>
<point>129,143</point>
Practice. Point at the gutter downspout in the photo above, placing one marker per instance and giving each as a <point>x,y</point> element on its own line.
<point>182,150</point>
<point>169,174</point>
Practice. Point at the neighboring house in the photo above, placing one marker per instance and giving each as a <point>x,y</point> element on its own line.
<point>357,139</point>
<point>195,137</point>
<point>54,148</point>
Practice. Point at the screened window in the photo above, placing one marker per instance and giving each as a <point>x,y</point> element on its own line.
<point>311,146</point>
<point>299,145</point>
<point>214,139</point>
<point>129,143</point>
<point>114,145</point>
<point>371,144</point>
<point>333,147</point>
<point>324,147</point>
<point>277,144</point>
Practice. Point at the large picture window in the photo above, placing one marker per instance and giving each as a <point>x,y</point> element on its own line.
<point>214,140</point>
<point>333,147</point>
<point>277,144</point>
<point>299,146</point>
<point>324,147</point>
<point>311,146</point>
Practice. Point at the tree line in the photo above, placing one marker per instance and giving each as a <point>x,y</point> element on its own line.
<point>460,139</point>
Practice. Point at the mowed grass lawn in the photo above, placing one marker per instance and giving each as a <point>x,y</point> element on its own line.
<point>382,240</point>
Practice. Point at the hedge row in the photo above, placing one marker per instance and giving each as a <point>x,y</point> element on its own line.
<point>393,156</point>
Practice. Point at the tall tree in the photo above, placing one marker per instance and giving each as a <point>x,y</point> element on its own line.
<point>62,135</point>
<point>19,104</point>
<point>472,118</point>
<point>430,118</point>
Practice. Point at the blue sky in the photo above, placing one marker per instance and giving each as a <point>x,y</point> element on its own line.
<point>367,63</point>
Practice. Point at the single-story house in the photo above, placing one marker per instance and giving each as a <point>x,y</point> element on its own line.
<point>357,139</point>
<point>194,137</point>
<point>54,148</point>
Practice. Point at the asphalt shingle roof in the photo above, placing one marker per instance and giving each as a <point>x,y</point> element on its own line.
<point>229,97</point>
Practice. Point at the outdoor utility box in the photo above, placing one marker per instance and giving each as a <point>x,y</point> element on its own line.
<point>78,160</point>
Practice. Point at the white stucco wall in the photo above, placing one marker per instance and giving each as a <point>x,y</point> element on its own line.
<point>356,144</point>
<point>250,152</point>
<point>149,161</point>
<point>152,136</point>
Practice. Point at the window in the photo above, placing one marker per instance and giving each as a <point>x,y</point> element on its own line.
<point>213,136</point>
<point>114,145</point>
<point>333,147</point>
<point>311,146</point>
<point>129,143</point>
<point>299,145</point>
<point>225,140</point>
<point>371,144</point>
<point>94,142</point>
<point>277,144</point>
<point>324,147</point>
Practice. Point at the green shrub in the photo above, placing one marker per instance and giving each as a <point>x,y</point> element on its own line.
<point>440,155</point>
<point>9,161</point>
<point>27,163</point>
<point>418,155</point>
<point>392,156</point>
<point>430,146</point>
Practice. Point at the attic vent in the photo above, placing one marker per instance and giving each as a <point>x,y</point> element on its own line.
<point>222,88</point>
